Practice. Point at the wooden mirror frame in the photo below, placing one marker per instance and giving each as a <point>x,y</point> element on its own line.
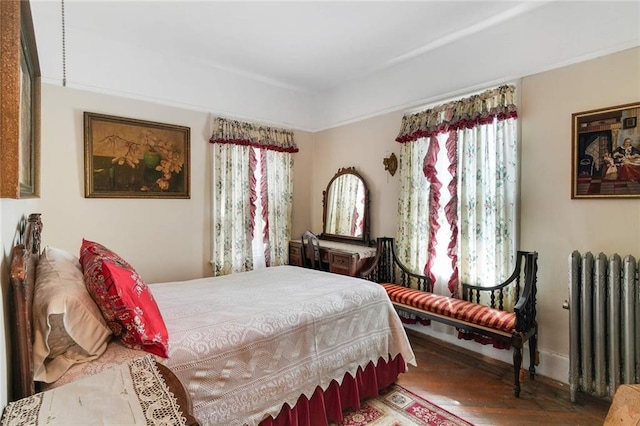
<point>20,113</point>
<point>364,239</point>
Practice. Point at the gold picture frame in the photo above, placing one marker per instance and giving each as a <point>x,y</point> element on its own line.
<point>130,158</point>
<point>20,109</point>
<point>606,153</point>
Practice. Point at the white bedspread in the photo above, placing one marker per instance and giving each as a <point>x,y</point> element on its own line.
<point>245,344</point>
<point>363,251</point>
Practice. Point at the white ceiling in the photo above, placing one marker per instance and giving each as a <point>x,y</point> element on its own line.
<point>316,64</point>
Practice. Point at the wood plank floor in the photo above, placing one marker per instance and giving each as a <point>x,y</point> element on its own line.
<point>480,389</point>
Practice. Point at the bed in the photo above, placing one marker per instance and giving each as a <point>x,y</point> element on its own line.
<point>281,345</point>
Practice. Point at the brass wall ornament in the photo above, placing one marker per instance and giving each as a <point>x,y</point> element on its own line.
<point>391,164</point>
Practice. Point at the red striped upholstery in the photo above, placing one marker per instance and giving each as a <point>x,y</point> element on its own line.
<point>453,308</point>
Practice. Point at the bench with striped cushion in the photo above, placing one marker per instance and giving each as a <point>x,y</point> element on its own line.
<point>414,293</point>
<point>456,309</point>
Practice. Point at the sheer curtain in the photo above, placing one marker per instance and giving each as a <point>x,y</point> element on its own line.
<point>457,205</point>
<point>277,200</point>
<point>487,203</point>
<point>252,171</point>
<point>233,209</point>
<point>413,206</point>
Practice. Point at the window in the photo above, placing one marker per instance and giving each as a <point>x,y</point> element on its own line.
<point>459,181</point>
<point>253,193</point>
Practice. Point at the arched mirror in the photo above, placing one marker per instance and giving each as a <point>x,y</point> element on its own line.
<point>346,208</point>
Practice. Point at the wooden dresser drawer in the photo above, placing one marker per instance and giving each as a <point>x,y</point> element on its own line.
<point>295,253</point>
<point>337,261</point>
<point>343,263</point>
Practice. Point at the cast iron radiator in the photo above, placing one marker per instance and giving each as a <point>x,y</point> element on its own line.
<point>604,323</point>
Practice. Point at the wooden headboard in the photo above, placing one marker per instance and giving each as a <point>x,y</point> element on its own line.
<point>24,259</point>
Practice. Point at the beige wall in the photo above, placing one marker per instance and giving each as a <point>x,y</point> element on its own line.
<point>150,233</point>
<point>362,145</point>
<point>551,223</point>
<point>169,239</point>
<point>303,169</point>
<point>165,240</point>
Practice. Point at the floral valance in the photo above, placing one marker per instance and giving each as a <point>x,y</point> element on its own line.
<point>463,113</point>
<point>243,133</point>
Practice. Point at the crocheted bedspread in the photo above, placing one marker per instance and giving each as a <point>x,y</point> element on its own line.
<point>245,344</point>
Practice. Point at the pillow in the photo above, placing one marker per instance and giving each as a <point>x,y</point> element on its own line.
<point>68,326</point>
<point>124,299</point>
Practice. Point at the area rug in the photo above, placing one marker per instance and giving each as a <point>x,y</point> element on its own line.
<point>396,406</point>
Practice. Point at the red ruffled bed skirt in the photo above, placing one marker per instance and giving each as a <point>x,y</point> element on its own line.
<point>327,406</point>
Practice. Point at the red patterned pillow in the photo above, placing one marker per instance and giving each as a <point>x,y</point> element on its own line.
<point>124,299</point>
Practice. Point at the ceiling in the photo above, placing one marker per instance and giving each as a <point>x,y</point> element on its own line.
<point>316,64</point>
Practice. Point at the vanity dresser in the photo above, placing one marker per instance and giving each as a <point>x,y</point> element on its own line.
<point>345,245</point>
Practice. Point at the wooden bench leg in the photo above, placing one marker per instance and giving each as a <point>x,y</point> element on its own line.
<point>517,364</point>
<point>533,355</point>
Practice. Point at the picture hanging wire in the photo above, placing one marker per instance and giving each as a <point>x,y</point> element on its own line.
<point>64,53</point>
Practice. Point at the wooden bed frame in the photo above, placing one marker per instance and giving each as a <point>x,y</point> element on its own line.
<point>330,402</point>
<point>24,260</point>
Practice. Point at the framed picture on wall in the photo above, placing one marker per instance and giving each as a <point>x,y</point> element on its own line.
<point>20,108</point>
<point>129,158</point>
<point>630,123</point>
<point>606,153</point>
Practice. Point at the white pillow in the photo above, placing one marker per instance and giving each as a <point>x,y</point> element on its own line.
<point>68,325</point>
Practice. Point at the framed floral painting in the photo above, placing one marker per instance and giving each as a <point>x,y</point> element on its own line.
<point>606,153</point>
<point>129,158</point>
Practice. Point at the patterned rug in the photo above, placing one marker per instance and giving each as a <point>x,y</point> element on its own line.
<point>397,406</point>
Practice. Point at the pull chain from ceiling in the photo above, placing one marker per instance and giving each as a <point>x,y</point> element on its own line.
<point>64,48</point>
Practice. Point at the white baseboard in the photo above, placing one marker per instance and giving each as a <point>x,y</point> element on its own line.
<point>552,365</point>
